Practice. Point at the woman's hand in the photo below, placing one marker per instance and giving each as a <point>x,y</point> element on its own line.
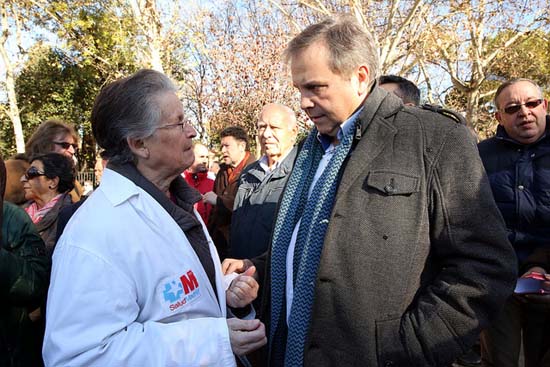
<point>246,335</point>
<point>243,289</point>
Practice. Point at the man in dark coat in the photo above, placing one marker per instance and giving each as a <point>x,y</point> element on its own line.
<point>24,276</point>
<point>236,157</point>
<point>388,248</point>
<point>517,161</point>
<point>262,182</point>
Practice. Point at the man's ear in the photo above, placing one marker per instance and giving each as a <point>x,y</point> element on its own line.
<point>242,145</point>
<point>498,116</point>
<point>362,73</point>
<point>138,147</point>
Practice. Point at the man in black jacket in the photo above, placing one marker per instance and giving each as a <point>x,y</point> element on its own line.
<point>517,161</point>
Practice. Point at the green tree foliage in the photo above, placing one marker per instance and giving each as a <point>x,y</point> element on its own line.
<point>529,58</point>
<point>62,83</point>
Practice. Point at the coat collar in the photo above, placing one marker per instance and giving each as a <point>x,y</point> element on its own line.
<point>376,132</point>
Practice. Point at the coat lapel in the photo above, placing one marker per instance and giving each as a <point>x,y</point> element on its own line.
<point>376,133</point>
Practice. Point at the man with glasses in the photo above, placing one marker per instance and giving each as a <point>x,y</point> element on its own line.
<point>517,161</point>
<point>53,136</point>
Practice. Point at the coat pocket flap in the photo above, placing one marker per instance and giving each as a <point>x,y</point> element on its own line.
<point>393,183</point>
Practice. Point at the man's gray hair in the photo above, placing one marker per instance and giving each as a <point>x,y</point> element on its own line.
<point>128,108</point>
<point>349,45</point>
<point>508,83</point>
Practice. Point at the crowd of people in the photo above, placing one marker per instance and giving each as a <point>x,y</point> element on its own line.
<point>386,237</point>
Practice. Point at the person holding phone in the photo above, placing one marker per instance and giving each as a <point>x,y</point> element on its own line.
<point>517,161</point>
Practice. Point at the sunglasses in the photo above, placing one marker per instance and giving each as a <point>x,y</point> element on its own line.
<point>33,172</point>
<point>65,145</point>
<point>510,110</point>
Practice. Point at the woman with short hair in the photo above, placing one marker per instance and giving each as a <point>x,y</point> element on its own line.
<point>47,183</point>
<point>136,279</point>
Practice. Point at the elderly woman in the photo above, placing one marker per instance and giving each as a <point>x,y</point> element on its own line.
<point>47,183</point>
<point>136,279</point>
<point>55,136</point>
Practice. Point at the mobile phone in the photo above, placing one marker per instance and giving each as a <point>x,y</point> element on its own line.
<point>530,284</point>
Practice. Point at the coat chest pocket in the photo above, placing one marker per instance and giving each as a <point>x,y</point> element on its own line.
<point>392,183</point>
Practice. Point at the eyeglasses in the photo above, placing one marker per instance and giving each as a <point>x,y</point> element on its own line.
<point>510,110</point>
<point>180,124</point>
<point>65,145</point>
<point>33,172</point>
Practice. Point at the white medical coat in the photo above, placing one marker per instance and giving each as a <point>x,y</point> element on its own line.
<point>127,289</point>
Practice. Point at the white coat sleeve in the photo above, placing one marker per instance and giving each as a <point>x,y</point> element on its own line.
<point>91,321</point>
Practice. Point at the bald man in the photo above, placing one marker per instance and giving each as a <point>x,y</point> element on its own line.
<point>261,183</point>
<point>197,177</point>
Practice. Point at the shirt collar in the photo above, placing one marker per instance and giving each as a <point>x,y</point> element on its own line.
<point>265,166</point>
<point>345,128</point>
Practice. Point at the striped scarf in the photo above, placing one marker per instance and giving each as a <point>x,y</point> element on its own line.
<point>314,215</point>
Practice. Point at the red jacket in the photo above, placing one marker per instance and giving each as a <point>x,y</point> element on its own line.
<point>203,184</point>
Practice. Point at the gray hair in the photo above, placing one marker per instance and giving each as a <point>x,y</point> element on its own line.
<point>128,108</point>
<point>508,83</point>
<point>349,45</point>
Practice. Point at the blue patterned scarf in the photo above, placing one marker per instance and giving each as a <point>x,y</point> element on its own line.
<point>314,212</point>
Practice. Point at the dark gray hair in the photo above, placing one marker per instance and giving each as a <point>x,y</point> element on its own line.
<point>406,90</point>
<point>508,83</point>
<point>349,45</point>
<point>128,108</point>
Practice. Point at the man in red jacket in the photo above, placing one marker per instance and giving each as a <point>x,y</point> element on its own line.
<point>197,176</point>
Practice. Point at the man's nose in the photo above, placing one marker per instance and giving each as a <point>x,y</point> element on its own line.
<point>71,150</point>
<point>305,102</point>
<point>267,132</point>
<point>524,110</point>
<point>191,132</point>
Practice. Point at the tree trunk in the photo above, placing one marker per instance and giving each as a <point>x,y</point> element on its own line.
<point>472,107</point>
<point>10,86</point>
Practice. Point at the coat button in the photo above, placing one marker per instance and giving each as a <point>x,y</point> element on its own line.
<point>388,364</point>
<point>389,189</point>
<point>521,187</point>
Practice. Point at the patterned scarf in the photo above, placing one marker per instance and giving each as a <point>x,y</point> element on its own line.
<point>36,213</point>
<point>314,215</point>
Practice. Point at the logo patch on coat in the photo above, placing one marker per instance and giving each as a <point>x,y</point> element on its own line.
<point>181,291</point>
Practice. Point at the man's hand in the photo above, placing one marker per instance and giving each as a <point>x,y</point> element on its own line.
<point>210,197</point>
<point>235,266</point>
<point>243,289</point>
<point>246,335</point>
